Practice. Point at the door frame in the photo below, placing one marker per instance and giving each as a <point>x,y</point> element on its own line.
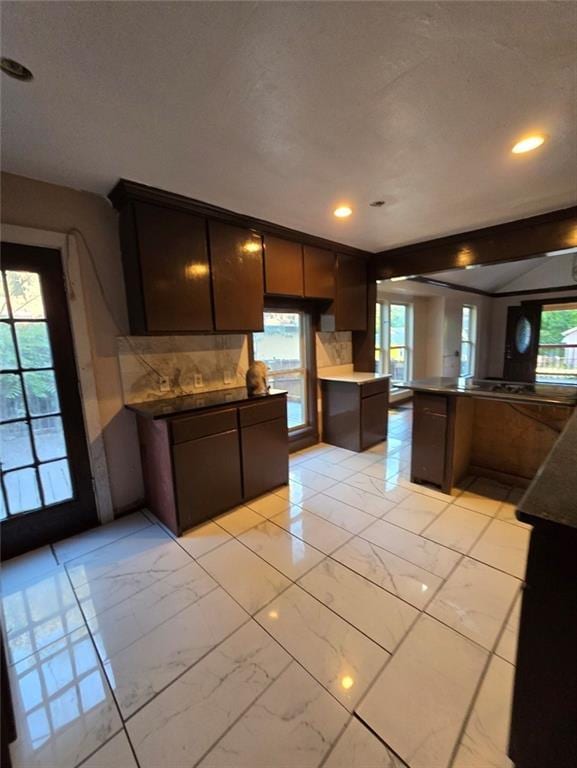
<point>70,259</point>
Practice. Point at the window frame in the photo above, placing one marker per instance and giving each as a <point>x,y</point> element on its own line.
<point>470,342</point>
<point>383,358</point>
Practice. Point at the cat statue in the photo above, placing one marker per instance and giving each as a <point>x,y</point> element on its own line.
<point>256,379</point>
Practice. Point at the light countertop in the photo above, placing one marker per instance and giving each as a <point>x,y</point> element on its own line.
<point>553,394</point>
<point>356,377</point>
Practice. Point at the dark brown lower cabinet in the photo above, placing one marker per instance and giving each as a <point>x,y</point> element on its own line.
<point>198,465</point>
<point>207,477</point>
<point>355,414</point>
<point>428,458</point>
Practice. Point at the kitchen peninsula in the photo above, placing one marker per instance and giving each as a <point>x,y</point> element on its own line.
<point>497,429</point>
<point>204,454</point>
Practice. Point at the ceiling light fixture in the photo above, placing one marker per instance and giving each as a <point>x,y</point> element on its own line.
<point>343,211</point>
<point>15,69</point>
<point>528,144</point>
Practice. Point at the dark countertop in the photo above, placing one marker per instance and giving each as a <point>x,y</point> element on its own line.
<point>552,495</point>
<point>552,394</point>
<point>176,406</point>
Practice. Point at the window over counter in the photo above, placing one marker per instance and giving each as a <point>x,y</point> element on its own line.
<point>394,340</point>
<point>468,340</point>
<point>557,352</point>
<point>283,347</point>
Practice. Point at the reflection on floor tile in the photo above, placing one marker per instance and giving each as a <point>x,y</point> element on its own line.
<point>295,492</point>
<point>288,554</point>
<point>347,517</point>
<point>310,479</point>
<point>239,520</point>
<point>336,471</point>
<point>204,538</point>
<point>31,566</point>
<point>486,735</point>
<point>63,706</point>
<point>355,497</point>
<point>311,528</point>
<point>179,726</point>
<point>378,614</point>
<point>507,645</point>
<point>504,547</point>
<point>292,724</point>
<point>457,528</point>
<point>342,659</point>
<point>114,754</point>
<point>357,747</point>
<point>244,575</point>
<point>475,600</point>
<point>40,612</point>
<point>415,512</point>
<point>268,505</point>
<point>421,699</point>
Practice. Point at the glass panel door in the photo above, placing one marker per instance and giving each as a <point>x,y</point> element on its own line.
<point>282,346</point>
<point>45,470</point>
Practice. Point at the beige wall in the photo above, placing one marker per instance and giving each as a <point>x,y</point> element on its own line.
<point>30,203</point>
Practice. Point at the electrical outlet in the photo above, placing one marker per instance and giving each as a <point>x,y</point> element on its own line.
<point>164,384</point>
<point>227,376</point>
<point>198,379</point>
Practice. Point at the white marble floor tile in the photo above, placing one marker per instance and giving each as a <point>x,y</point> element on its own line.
<point>417,550</point>
<point>119,570</point>
<point>377,506</point>
<point>391,465</point>
<point>415,512</point>
<point>334,652</point>
<point>457,528</point>
<point>143,669</point>
<point>40,612</point>
<point>68,549</point>
<point>336,455</point>
<point>483,495</point>
<point>336,471</point>
<point>420,701</point>
<point>357,747</point>
<point>292,724</point>
<point>475,601</point>
<point>320,449</point>
<point>204,538</point>
<point>485,741</point>
<point>360,461</point>
<point>181,724</point>
<point>269,505</point>
<point>125,623</point>
<point>507,513</point>
<point>295,492</point>
<point>507,645</point>
<point>379,615</point>
<point>337,512</point>
<point>29,567</point>
<point>244,575</point>
<point>387,489</point>
<point>426,490</point>
<point>311,479</point>
<point>503,546</point>
<point>239,520</point>
<point>386,570</point>
<point>288,554</point>
<point>311,528</point>
<point>116,753</point>
<point>62,704</point>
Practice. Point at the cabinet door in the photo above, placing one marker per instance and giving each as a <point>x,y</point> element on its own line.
<point>374,416</point>
<point>174,271</point>
<point>283,267</point>
<point>237,278</point>
<point>430,434</point>
<point>207,477</point>
<point>351,299</point>
<point>264,456</point>
<point>319,273</point>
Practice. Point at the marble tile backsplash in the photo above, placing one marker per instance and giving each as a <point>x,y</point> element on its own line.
<point>334,349</point>
<point>145,359</point>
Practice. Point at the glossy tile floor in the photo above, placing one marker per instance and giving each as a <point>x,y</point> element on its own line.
<point>349,619</point>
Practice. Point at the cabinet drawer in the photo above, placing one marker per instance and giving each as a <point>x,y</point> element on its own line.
<point>263,411</point>
<point>374,387</point>
<point>202,425</point>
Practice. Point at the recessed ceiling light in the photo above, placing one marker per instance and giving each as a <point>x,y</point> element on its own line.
<point>528,144</point>
<point>343,211</point>
<point>15,69</point>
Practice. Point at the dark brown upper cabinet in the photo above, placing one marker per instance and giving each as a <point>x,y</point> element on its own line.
<point>348,312</point>
<point>166,270</point>
<point>283,267</point>
<point>319,273</point>
<point>237,278</point>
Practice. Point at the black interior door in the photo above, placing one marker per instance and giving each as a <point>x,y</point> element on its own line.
<point>522,342</point>
<point>46,491</point>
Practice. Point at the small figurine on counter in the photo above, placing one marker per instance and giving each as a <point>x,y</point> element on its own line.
<point>256,379</point>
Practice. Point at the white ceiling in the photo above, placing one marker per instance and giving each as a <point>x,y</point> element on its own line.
<point>281,110</point>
